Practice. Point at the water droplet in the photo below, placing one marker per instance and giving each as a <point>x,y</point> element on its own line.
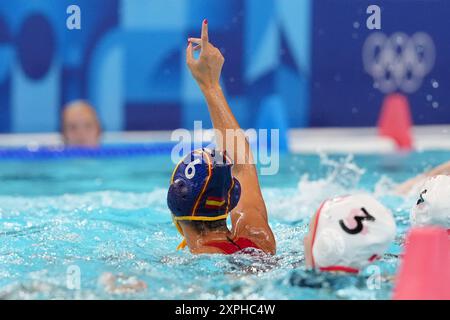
<point>429,97</point>
<point>435,104</point>
<point>435,84</point>
<point>356,25</point>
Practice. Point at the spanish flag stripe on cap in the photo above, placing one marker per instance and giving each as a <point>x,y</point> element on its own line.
<point>215,199</point>
<point>215,203</point>
<point>212,203</point>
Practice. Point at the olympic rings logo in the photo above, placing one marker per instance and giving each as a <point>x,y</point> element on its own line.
<point>398,62</point>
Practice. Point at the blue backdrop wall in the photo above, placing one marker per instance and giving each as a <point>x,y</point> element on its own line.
<point>128,60</point>
<point>410,54</point>
<point>307,56</point>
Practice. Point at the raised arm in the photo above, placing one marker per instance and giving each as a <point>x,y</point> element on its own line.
<point>249,218</point>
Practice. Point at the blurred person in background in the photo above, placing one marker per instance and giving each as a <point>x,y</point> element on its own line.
<point>80,125</point>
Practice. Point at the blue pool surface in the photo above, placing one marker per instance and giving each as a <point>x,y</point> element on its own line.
<point>104,221</point>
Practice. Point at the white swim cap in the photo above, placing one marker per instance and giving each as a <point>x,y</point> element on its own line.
<point>350,233</point>
<point>433,205</point>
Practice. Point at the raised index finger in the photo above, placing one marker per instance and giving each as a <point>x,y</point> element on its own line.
<point>205,38</point>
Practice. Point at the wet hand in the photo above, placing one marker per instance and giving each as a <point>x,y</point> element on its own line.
<point>207,69</point>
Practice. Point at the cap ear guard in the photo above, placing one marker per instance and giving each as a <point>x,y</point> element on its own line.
<point>331,245</point>
<point>180,197</point>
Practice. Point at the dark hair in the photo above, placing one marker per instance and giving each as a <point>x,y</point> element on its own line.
<point>207,226</point>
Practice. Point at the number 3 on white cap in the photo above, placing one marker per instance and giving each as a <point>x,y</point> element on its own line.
<point>189,172</point>
<point>359,225</point>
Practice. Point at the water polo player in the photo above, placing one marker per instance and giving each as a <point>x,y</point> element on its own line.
<point>208,186</point>
<point>433,204</point>
<point>348,233</point>
<point>433,189</point>
<point>80,125</point>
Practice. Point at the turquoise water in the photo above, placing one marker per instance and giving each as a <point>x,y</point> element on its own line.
<point>97,220</point>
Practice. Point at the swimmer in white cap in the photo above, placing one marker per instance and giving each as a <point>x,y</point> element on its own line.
<point>433,204</point>
<point>348,233</point>
<point>433,189</point>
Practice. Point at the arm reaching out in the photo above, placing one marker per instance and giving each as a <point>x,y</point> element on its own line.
<point>406,187</point>
<point>249,218</point>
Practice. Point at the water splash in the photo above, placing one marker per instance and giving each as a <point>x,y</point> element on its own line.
<point>342,176</point>
<point>127,232</point>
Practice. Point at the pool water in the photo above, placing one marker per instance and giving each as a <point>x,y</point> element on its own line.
<point>100,229</point>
